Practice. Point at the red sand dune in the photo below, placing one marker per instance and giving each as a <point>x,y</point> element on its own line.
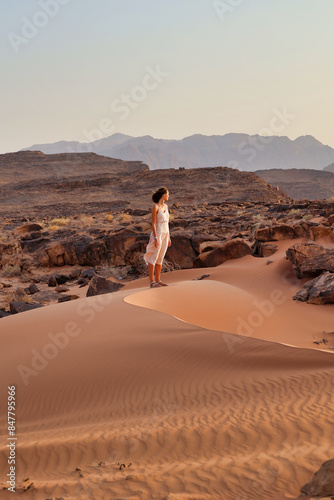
<point>192,384</point>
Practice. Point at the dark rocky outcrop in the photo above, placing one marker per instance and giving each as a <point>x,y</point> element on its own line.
<point>319,291</point>
<point>17,306</point>
<point>100,285</point>
<point>322,484</point>
<point>233,249</point>
<point>181,252</point>
<point>198,239</point>
<point>311,259</point>
<point>264,249</point>
<point>275,233</point>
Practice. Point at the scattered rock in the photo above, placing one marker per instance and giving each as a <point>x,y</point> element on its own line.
<point>6,284</point>
<point>61,278</point>
<point>319,291</point>
<point>52,281</point>
<point>33,289</point>
<point>75,274</point>
<point>17,306</point>
<point>82,282</point>
<point>67,298</point>
<point>88,274</point>
<point>61,289</point>
<point>100,285</point>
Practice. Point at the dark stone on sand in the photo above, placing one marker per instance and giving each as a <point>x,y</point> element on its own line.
<point>100,285</point>
<point>311,259</point>
<point>318,291</point>
<point>322,484</point>
<point>17,307</point>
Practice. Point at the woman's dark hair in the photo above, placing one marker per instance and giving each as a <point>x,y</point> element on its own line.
<point>158,194</point>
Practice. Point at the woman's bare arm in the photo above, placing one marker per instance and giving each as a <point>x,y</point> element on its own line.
<point>154,220</point>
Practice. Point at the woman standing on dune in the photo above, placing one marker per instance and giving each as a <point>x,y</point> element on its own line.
<point>159,238</point>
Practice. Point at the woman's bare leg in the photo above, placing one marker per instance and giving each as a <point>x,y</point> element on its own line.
<point>151,272</point>
<point>157,272</point>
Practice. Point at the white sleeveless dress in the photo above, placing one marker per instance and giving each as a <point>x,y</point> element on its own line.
<point>155,255</point>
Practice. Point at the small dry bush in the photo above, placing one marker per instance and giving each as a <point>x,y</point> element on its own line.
<point>17,295</point>
<point>61,221</point>
<point>10,270</point>
<point>126,218</point>
<point>86,219</point>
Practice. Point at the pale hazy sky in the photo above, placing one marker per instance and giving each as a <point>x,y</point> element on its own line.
<point>167,68</point>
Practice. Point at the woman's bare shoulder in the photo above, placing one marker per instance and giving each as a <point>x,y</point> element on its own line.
<point>155,208</point>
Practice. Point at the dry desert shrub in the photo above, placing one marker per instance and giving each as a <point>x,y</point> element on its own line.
<point>61,221</point>
<point>57,223</point>
<point>17,295</point>
<point>10,270</point>
<point>126,218</point>
<point>86,219</point>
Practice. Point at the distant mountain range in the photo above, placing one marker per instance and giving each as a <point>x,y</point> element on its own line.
<point>241,151</point>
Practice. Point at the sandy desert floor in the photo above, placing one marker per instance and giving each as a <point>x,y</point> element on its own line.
<point>210,389</point>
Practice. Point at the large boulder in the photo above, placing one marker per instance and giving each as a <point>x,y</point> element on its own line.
<point>322,484</point>
<point>311,259</point>
<point>181,252</point>
<point>321,231</point>
<point>233,249</point>
<point>301,230</point>
<point>264,249</point>
<point>119,244</point>
<point>18,306</point>
<point>80,249</point>
<point>100,285</point>
<point>198,239</point>
<point>275,233</point>
<point>320,290</point>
